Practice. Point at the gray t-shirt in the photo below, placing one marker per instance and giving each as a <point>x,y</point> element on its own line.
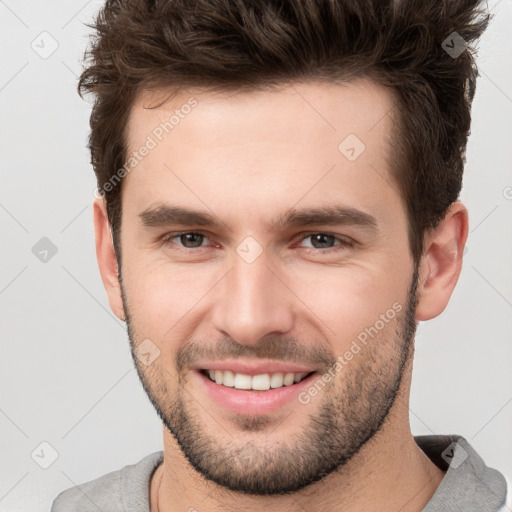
<point>468,485</point>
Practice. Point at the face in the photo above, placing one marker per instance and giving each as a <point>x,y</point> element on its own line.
<point>262,237</point>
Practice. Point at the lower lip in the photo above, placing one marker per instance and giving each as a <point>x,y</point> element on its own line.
<point>252,402</point>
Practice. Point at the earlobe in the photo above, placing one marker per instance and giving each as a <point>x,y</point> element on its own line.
<point>441,262</point>
<point>106,257</point>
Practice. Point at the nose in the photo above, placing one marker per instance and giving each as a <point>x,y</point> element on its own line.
<point>252,301</point>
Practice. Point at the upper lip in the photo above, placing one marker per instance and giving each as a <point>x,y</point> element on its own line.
<point>253,367</point>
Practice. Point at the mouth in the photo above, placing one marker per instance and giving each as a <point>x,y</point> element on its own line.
<point>260,382</point>
<point>256,394</point>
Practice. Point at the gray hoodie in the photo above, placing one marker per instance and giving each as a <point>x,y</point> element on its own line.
<point>468,485</point>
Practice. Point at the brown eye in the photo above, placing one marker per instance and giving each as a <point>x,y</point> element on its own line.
<point>326,241</point>
<point>322,241</point>
<point>194,239</point>
<point>185,240</point>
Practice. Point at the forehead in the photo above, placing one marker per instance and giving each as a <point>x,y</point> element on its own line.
<point>359,105</point>
<point>305,141</point>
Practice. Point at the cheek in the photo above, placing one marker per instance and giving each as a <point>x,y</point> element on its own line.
<point>161,295</point>
<point>347,300</point>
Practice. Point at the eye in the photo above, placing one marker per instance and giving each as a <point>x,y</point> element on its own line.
<point>320,242</point>
<point>188,239</point>
<point>326,241</point>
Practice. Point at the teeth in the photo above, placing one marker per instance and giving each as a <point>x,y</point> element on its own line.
<point>228,379</point>
<point>288,379</point>
<point>242,381</point>
<point>276,381</point>
<point>261,382</point>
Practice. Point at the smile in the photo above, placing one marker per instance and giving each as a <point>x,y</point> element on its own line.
<point>253,394</point>
<point>260,382</point>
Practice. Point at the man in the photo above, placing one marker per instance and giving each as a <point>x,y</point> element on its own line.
<point>277,208</point>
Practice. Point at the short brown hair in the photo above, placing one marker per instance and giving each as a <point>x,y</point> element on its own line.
<point>251,44</point>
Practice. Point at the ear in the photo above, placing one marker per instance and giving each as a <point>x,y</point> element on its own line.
<point>106,256</point>
<point>441,262</point>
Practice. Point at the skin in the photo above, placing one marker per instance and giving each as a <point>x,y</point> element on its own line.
<point>247,158</point>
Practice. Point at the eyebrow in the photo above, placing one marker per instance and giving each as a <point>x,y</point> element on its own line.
<point>165,215</point>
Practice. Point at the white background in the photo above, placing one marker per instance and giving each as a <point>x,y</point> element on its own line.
<point>66,373</point>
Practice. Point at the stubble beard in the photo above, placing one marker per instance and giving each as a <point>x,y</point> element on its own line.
<point>341,422</point>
